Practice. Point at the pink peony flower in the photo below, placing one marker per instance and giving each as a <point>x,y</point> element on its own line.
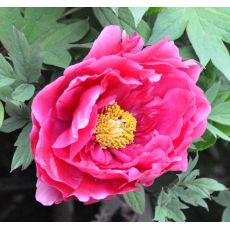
<point>124,115</point>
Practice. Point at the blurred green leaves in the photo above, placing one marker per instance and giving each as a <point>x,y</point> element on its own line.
<point>223,199</point>
<point>26,59</point>
<point>23,155</point>
<point>124,17</point>
<point>42,30</point>
<point>187,190</point>
<point>207,29</point>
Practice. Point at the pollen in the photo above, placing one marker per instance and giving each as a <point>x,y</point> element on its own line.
<point>115,127</point>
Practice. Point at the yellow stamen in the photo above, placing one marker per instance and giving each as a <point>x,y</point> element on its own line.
<point>115,127</point>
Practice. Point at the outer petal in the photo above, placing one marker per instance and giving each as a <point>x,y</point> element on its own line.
<point>47,98</point>
<point>108,43</point>
<point>47,195</point>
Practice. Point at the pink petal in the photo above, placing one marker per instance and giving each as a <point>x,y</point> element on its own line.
<point>47,195</point>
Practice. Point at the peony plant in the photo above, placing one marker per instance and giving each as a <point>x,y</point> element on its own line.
<point>111,111</point>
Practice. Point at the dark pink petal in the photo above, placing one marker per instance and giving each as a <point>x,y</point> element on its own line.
<point>100,48</point>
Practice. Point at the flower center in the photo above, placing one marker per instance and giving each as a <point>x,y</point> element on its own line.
<point>115,127</point>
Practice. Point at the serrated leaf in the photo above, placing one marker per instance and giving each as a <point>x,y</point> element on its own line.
<point>212,92</point>
<point>136,200</point>
<point>23,92</point>
<point>226,215</point>
<point>1,113</point>
<point>190,197</point>
<point>221,113</point>
<point>138,13</point>
<point>191,166</point>
<point>176,214</point>
<point>209,183</point>
<point>6,73</point>
<point>23,155</point>
<point>216,132</point>
<point>9,17</point>
<point>17,109</point>
<point>206,29</point>
<point>5,67</point>
<point>160,213</point>
<point>13,123</point>
<point>106,16</point>
<point>191,176</point>
<point>26,59</point>
<point>56,57</point>
<point>198,189</point>
<point>127,22</point>
<point>41,28</point>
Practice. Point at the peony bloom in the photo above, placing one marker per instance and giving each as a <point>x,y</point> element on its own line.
<point>124,115</point>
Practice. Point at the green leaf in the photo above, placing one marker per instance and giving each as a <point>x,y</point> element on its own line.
<point>6,73</point>
<point>23,92</point>
<point>208,183</point>
<point>191,165</point>
<point>138,13</point>
<point>17,109</point>
<point>53,37</point>
<point>223,198</point>
<point>223,128</point>
<point>128,24</point>
<point>216,132</point>
<point>5,93</point>
<point>13,123</point>
<point>176,214</point>
<point>26,59</point>
<point>41,28</point>
<point>221,113</point>
<point>6,81</point>
<point>136,200</point>
<point>188,189</point>
<point>226,215</point>
<point>169,207</point>
<point>205,142</point>
<point>212,92</point>
<point>1,113</point>
<point>22,156</point>
<point>106,16</point>
<point>190,197</point>
<point>9,17</point>
<point>206,29</point>
<point>160,213</point>
<point>170,22</point>
<point>55,46</point>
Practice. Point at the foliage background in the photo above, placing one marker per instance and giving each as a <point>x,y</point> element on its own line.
<point>38,43</point>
